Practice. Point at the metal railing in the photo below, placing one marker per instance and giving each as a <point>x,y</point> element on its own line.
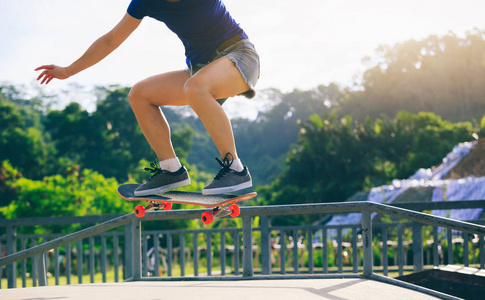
<point>135,244</point>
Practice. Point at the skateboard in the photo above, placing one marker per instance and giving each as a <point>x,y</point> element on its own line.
<point>222,205</point>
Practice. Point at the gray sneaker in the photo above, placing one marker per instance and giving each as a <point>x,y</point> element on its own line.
<point>228,180</point>
<point>162,181</point>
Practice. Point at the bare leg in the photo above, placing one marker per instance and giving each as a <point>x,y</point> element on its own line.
<point>146,97</point>
<point>219,79</point>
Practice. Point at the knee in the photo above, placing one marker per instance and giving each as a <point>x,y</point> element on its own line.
<point>137,94</point>
<point>194,91</point>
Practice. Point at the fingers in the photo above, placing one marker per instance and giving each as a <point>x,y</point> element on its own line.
<point>45,67</point>
<point>45,76</point>
<point>50,72</point>
<point>40,76</point>
<point>49,79</point>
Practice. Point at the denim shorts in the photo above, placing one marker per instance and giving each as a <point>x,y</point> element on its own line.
<point>245,58</point>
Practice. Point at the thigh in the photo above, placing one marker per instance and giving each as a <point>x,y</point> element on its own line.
<point>221,78</point>
<point>163,89</point>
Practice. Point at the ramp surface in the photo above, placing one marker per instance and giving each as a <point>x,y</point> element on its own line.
<point>307,289</point>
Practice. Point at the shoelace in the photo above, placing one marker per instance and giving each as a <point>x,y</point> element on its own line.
<point>225,164</point>
<point>155,170</point>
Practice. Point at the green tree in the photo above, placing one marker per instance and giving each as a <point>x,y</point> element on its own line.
<point>410,142</point>
<point>263,143</point>
<point>109,140</point>
<point>79,193</point>
<point>444,75</point>
<point>337,157</point>
<point>23,146</point>
<point>333,160</point>
<point>8,179</point>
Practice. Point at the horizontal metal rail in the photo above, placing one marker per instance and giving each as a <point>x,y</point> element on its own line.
<point>417,206</point>
<point>58,220</point>
<point>441,205</point>
<point>346,207</point>
<point>68,239</point>
<point>426,219</point>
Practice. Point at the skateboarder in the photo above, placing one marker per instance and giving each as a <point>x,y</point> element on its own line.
<point>221,63</point>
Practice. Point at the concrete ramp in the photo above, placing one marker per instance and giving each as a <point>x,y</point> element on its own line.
<point>307,289</point>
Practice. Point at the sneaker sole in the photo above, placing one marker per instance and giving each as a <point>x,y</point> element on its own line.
<point>163,189</point>
<point>228,189</point>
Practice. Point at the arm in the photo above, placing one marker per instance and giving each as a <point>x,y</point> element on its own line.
<point>101,48</point>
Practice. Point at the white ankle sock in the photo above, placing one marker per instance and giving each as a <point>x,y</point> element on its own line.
<point>171,164</point>
<point>237,165</point>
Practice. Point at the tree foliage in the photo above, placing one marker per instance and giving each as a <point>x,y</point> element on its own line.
<point>444,75</point>
<point>24,146</point>
<point>337,157</point>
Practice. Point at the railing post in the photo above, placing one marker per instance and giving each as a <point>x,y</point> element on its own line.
<point>384,251</point>
<point>295,251</point>
<point>466,261</point>
<point>436,259</point>
<point>247,247</point>
<point>91,259</point>
<point>310,250</point>
<point>41,272</point>
<point>283,253</point>
<point>11,249</point>
<point>196,253</point>
<point>418,246</point>
<point>339,250</point>
<point>236,253</point>
<point>156,253</point>
<point>169,254</point>
<point>79,259</point>
<point>400,254</point>
<point>223,253</point>
<point>324,250</point>
<point>482,251</point>
<point>208,248</point>
<point>367,242</point>
<point>355,251</point>
<point>182,254</point>
<point>68,263</point>
<point>128,259</point>
<point>136,247</point>
<point>116,257</point>
<point>265,246</point>
<point>449,238</point>
<point>103,258</point>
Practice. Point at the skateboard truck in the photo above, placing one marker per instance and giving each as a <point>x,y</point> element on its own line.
<point>152,206</point>
<point>218,212</point>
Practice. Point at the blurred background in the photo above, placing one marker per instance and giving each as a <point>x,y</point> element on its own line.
<point>353,96</point>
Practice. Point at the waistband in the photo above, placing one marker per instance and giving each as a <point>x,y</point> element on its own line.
<point>230,41</point>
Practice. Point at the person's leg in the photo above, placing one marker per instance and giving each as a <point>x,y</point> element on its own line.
<point>146,97</point>
<point>219,79</point>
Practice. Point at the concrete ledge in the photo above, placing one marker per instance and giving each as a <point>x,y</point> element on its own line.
<point>257,277</point>
<point>308,289</point>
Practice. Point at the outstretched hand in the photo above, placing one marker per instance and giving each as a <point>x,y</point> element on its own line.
<point>50,72</point>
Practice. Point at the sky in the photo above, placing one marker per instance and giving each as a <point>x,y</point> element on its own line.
<point>302,44</point>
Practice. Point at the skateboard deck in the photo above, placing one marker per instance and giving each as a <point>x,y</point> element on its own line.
<point>218,203</point>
